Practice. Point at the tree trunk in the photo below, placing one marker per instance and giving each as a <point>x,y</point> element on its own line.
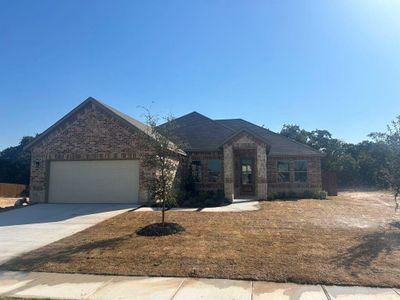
<point>163,213</point>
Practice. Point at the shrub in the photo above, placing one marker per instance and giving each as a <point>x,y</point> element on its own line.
<point>292,195</point>
<point>308,194</point>
<point>296,195</point>
<point>205,199</point>
<point>323,195</point>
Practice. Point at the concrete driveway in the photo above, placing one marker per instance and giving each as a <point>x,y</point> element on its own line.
<point>25,229</point>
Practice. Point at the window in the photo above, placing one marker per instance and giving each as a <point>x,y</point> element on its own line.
<point>300,170</point>
<point>214,170</point>
<point>247,171</point>
<point>196,170</point>
<point>283,171</point>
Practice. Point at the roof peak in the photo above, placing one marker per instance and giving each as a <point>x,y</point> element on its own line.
<point>119,115</point>
<point>193,113</point>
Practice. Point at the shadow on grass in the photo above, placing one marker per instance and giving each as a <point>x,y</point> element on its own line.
<point>395,224</point>
<point>372,245</point>
<point>58,254</point>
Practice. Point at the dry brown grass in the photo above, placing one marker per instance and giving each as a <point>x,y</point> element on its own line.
<point>350,239</point>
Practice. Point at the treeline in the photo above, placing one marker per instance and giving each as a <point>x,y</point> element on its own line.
<point>15,163</point>
<point>356,165</point>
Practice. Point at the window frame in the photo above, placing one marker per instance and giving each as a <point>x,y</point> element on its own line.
<point>278,177</point>
<point>217,176</point>
<point>197,170</point>
<point>249,163</point>
<point>297,172</point>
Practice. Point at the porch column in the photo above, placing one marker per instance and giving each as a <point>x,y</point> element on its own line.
<point>228,172</point>
<point>261,172</point>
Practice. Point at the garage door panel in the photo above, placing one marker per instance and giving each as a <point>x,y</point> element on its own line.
<point>108,181</point>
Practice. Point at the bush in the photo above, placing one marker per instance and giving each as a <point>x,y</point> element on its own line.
<point>308,194</point>
<point>296,195</point>
<point>205,199</point>
<point>323,195</point>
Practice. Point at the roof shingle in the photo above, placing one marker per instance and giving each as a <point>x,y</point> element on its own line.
<point>200,133</point>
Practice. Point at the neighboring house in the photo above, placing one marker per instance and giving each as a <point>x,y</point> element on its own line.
<point>95,155</point>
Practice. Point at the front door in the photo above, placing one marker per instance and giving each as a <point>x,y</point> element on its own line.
<point>247,177</point>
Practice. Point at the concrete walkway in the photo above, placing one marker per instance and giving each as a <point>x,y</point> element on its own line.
<point>236,206</point>
<point>77,286</point>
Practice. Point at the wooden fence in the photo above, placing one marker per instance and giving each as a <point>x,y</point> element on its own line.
<point>12,190</point>
<point>329,183</point>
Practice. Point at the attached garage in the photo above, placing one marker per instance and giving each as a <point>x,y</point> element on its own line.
<point>94,154</point>
<point>94,181</point>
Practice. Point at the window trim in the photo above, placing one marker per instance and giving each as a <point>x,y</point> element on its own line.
<point>300,172</point>
<point>278,172</point>
<point>218,177</point>
<point>197,168</point>
<point>249,163</point>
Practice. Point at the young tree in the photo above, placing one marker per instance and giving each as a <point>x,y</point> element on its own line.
<point>162,157</point>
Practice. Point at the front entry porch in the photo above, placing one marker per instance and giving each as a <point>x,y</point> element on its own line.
<point>244,179</point>
<point>245,167</point>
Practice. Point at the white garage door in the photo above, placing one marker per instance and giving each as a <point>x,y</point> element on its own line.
<point>99,181</point>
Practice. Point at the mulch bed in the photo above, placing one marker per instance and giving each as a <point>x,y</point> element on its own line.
<point>352,239</point>
<point>160,229</point>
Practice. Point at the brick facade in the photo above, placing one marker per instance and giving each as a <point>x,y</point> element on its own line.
<point>267,163</point>
<point>91,133</point>
<point>313,182</point>
<point>204,184</point>
<point>266,179</point>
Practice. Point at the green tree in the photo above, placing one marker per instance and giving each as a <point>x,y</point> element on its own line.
<point>355,164</point>
<point>390,171</point>
<point>294,132</point>
<point>162,157</point>
<point>15,163</point>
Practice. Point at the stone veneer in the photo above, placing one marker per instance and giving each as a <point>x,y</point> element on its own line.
<point>245,141</point>
<point>92,133</point>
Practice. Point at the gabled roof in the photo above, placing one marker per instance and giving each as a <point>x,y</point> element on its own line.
<point>197,132</point>
<point>200,133</point>
<point>123,118</point>
<point>280,145</point>
<point>238,133</point>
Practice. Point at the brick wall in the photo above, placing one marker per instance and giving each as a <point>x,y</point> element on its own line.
<point>205,184</point>
<point>94,134</point>
<point>90,134</point>
<point>313,174</point>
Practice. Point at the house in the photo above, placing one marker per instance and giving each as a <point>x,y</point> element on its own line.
<point>95,154</point>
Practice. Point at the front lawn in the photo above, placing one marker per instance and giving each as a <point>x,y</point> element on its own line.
<point>350,239</point>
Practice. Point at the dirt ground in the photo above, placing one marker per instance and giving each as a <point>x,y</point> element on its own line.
<point>352,239</point>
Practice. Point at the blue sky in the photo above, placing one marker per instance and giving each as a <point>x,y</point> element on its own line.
<point>331,65</point>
